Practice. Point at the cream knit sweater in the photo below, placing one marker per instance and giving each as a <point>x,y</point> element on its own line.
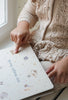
<point>50,40</point>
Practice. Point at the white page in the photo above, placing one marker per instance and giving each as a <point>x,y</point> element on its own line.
<point>21,75</point>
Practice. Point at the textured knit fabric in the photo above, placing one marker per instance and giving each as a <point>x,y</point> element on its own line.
<point>50,40</point>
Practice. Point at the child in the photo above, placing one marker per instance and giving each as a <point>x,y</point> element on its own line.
<point>50,40</point>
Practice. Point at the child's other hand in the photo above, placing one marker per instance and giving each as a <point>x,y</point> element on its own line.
<point>59,71</point>
<point>20,35</point>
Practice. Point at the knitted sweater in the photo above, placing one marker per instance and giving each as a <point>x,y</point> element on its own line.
<point>50,39</point>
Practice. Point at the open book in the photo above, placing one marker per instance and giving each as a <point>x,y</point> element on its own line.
<point>21,75</point>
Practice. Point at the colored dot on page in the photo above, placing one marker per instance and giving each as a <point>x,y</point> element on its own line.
<point>25,58</point>
<point>1,83</point>
<point>25,85</point>
<point>29,76</point>
<point>12,52</point>
<point>0,67</point>
<point>27,89</point>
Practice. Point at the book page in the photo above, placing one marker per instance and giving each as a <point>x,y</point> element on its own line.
<point>21,75</point>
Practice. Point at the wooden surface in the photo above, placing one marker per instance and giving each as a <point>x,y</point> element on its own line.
<point>64,95</point>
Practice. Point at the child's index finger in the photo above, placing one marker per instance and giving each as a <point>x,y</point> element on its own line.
<point>16,49</point>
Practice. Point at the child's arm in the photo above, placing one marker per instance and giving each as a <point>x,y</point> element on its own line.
<point>20,35</point>
<point>29,13</point>
<point>59,70</point>
<point>27,18</point>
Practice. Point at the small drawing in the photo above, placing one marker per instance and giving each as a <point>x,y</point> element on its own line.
<point>3,95</point>
<point>12,52</point>
<point>27,89</point>
<point>28,76</point>
<point>1,83</point>
<point>25,58</point>
<point>26,85</point>
<point>34,64</point>
<point>34,73</point>
<point>0,67</point>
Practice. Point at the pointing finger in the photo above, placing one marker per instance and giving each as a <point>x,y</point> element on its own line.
<point>17,46</point>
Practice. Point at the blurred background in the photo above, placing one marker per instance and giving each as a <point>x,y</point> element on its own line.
<point>20,4</point>
<point>9,12</point>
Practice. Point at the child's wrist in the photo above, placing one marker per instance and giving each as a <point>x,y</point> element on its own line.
<point>23,23</point>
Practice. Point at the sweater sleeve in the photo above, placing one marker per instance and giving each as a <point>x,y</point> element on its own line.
<point>28,14</point>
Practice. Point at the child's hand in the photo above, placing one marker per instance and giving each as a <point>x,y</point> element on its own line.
<point>20,35</point>
<point>59,71</point>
